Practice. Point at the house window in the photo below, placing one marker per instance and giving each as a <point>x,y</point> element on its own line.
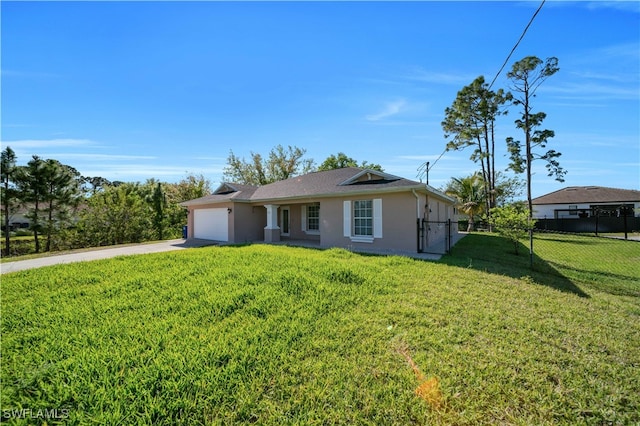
<point>573,210</point>
<point>363,218</point>
<point>313,217</point>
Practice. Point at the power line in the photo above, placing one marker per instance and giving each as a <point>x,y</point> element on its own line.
<point>517,43</point>
<point>427,168</point>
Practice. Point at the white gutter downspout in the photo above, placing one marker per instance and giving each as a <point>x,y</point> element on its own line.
<point>417,204</point>
<point>418,249</point>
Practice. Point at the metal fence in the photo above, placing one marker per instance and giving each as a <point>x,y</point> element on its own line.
<point>610,262</point>
<point>604,251</point>
<point>436,237</point>
<point>591,225</point>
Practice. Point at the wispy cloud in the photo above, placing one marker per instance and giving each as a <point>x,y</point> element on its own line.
<point>136,171</point>
<point>628,6</point>
<point>80,153</point>
<point>26,74</point>
<point>448,78</point>
<point>623,50</point>
<point>389,110</point>
<point>593,90</point>
<point>16,125</point>
<point>590,75</point>
<point>421,157</point>
<point>606,76</point>
<point>595,63</point>
<point>622,5</point>
<point>48,143</point>
<point>403,123</point>
<point>98,157</point>
<point>205,158</point>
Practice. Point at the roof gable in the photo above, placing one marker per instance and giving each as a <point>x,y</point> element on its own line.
<point>228,188</point>
<point>370,176</point>
<point>224,193</point>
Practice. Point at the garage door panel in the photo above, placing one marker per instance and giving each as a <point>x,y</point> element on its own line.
<point>211,224</point>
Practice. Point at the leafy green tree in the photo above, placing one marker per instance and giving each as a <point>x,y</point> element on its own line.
<point>189,188</point>
<point>512,222</point>
<point>9,193</point>
<point>341,161</point>
<point>280,164</point>
<point>507,189</point>
<point>471,195</point>
<point>91,185</point>
<point>471,121</point>
<point>526,76</point>
<point>117,215</point>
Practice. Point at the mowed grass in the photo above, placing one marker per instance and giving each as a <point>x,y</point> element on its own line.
<point>279,335</point>
<point>571,263</point>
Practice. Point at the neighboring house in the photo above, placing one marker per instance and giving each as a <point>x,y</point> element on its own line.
<point>576,202</point>
<point>17,219</point>
<point>349,207</point>
<point>18,216</point>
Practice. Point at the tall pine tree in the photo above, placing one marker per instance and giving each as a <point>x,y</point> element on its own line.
<point>9,193</point>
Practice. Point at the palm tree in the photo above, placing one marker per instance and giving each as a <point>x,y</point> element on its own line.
<point>471,196</point>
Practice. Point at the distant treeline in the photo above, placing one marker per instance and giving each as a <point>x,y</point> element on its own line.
<point>66,210</point>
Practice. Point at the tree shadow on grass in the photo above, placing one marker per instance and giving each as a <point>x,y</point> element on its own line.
<point>494,254</point>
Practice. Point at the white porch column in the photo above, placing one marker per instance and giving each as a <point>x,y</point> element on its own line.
<point>271,231</point>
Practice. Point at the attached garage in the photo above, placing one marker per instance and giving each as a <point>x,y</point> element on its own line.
<point>211,224</point>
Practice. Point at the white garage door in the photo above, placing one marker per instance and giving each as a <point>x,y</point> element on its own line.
<point>211,224</point>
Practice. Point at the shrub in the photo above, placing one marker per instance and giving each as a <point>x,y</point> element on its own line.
<point>512,222</point>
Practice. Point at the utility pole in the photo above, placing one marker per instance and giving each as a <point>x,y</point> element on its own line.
<point>424,170</point>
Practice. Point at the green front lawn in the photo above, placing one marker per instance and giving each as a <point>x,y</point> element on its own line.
<point>278,335</point>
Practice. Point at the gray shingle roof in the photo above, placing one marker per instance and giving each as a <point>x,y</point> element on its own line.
<point>328,183</point>
<point>317,184</point>
<point>588,194</point>
<point>225,192</point>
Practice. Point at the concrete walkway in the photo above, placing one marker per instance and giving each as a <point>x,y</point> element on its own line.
<point>102,253</point>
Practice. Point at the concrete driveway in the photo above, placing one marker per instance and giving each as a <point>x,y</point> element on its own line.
<point>102,253</point>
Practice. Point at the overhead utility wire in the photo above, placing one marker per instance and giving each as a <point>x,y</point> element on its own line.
<point>502,67</point>
<point>517,43</point>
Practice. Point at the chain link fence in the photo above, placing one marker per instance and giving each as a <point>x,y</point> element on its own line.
<point>608,261</point>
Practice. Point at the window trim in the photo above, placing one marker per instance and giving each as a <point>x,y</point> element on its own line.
<point>349,221</point>
<point>306,218</point>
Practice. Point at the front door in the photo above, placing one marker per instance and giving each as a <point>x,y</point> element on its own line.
<point>284,221</point>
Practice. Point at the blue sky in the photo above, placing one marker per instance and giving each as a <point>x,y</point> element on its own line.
<point>130,91</point>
